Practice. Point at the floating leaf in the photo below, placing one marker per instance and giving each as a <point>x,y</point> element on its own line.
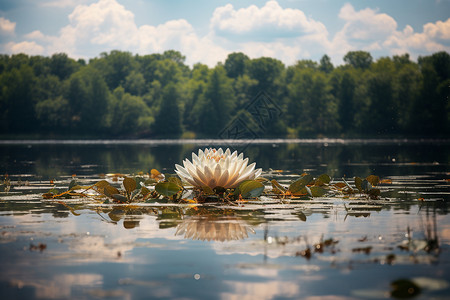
<point>167,188</point>
<point>119,198</point>
<point>207,190</point>
<point>145,191</point>
<point>374,180</point>
<point>175,180</point>
<point>317,191</point>
<point>155,174</point>
<point>340,185</point>
<point>323,179</point>
<point>102,184</point>
<point>103,187</point>
<point>358,184</point>
<point>149,181</point>
<point>110,190</point>
<point>73,184</point>
<point>277,188</point>
<point>251,188</point>
<point>374,193</point>
<point>299,184</point>
<point>129,184</point>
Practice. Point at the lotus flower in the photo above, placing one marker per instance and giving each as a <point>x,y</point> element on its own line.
<point>217,168</point>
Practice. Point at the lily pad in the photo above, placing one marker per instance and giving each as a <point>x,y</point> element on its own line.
<point>167,188</point>
<point>251,188</point>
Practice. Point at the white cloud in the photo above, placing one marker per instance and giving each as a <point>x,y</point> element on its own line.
<point>35,35</point>
<point>31,48</point>
<point>283,33</point>
<point>288,54</point>
<point>63,3</point>
<point>6,26</point>
<point>435,37</point>
<point>270,21</point>
<point>371,31</point>
<point>107,25</point>
<point>270,30</point>
<point>366,24</point>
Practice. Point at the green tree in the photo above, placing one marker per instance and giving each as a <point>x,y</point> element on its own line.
<point>313,108</point>
<point>131,116</point>
<point>62,66</point>
<point>236,64</point>
<point>431,111</point>
<point>325,64</point>
<point>114,67</point>
<point>53,114</point>
<point>266,71</point>
<point>346,107</point>
<point>16,100</point>
<point>358,59</point>
<point>167,120</point>
<point>135,83</point>
<point>213,110</point>
<point>88,98</point>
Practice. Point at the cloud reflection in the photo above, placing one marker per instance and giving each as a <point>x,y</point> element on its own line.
<point>60,286</point>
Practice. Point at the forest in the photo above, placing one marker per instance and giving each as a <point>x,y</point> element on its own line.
<point>121,95</point>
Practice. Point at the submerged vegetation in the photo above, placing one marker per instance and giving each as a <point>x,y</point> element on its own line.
<point>122,95</point>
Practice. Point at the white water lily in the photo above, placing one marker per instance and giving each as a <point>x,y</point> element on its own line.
<point>217,168</point>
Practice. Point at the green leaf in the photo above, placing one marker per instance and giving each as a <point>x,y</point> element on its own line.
<point>103,187</point>
<point>278,188</point>
<point>374,193</point>
<point>374,180</point>
<point>298,185</point>
<point>207,190</point>
<point>251,188</point>
<point>144,191</point>
<point>317,191</point>
<point>119,198</point>
<point>358,184</point>
<point>129,184</point>
<point>167,188</point>
<point>72,184</point>
<point>323,179</point>
<point>175,180</point>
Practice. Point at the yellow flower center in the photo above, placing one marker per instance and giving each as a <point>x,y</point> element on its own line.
<point>215,156</point>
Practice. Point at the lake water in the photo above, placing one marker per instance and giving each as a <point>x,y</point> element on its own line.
<point>331,247</point>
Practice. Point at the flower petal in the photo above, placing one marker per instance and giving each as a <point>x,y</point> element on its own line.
<point>247,172</point>
<point>222,181</point>
<point>201,176</point>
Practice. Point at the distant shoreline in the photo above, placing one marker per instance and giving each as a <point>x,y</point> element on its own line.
<point>318,141</point>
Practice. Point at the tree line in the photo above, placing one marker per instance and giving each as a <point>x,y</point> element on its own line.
<point>121,95</point>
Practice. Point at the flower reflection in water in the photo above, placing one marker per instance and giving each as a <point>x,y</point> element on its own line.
<point>227,228</point>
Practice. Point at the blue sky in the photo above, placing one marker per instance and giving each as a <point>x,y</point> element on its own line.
<point>207,31</point>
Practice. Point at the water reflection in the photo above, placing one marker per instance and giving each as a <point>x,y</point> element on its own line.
<point>214,228</point>
<point>254,249</point>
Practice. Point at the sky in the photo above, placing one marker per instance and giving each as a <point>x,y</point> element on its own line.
<point>207,31</point>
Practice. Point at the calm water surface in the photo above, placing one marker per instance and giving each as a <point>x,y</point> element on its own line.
<point>330,247</point>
